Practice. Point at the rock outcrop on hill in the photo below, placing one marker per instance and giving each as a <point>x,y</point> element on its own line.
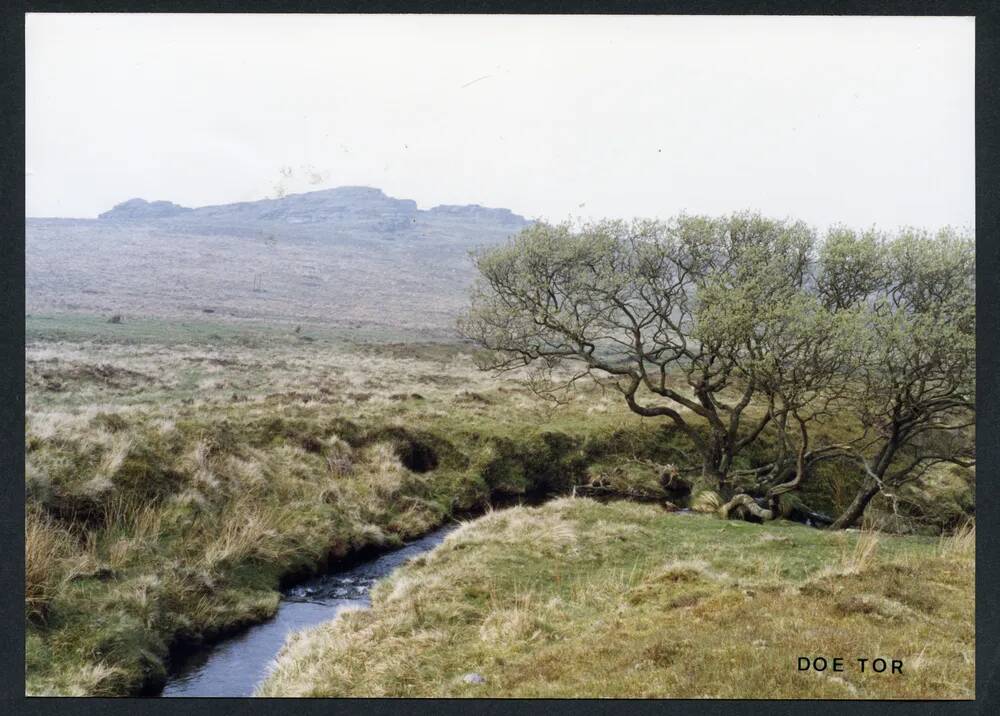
<point>350,256</point>
<point>344,205</point>
<point>140,209</point>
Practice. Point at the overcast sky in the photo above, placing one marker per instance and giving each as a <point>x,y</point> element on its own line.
<point>856,120</point>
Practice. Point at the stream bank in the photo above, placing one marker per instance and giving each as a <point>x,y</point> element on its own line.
<point>234,666</point>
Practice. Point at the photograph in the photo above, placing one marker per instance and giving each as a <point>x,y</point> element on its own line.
<point>499,356</point>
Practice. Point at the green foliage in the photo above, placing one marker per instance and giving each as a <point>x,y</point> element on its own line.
<point>689,319</point>
<point>914,381</point>
<point>696,319</point>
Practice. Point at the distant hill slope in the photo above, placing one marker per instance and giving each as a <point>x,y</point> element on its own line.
<point>346,205</point>
<point>348,256</point>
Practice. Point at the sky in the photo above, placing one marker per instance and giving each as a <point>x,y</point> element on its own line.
<point>862,121</point>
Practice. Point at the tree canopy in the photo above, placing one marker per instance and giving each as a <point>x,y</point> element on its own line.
<point>734,325</point>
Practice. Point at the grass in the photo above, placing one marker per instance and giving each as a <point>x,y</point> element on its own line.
<point>178,473</point>
<point>139,330</point>
<point>45,547</point>
<point>174,482</point>
<point>577,598</point>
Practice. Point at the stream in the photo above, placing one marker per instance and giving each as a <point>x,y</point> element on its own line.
<point>234,666</point>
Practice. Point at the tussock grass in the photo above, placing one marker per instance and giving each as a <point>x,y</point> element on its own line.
<point>176,474</point>
<point>706,501</point>
<point>248,531</point>
<point>45,548</point>
<point>961,545</point>
<point>865,547</point>
<point>645,604</point>
<point>166,511</point>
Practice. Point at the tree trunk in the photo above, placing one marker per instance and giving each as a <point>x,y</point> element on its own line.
<point>714,479</point>
<point>857,507</point>
<point>872,483</point>
<point>742,505</point>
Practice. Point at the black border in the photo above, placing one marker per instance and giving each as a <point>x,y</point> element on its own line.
<point>987,13</point>
<point>551,7</point>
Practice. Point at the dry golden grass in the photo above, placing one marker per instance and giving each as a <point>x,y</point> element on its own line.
<point>706,501</point>
<point>863,553</point>
<point>90,679</point>
<point>248,530</point>
<point>45,548</point>
<point>961,545</point>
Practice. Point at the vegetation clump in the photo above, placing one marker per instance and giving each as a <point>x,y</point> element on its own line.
<point>577,598</point>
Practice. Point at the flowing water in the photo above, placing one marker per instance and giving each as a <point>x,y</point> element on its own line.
<point>235,666</point>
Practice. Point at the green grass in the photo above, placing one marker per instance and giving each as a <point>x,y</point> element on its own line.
<point>177,472</point>
<point>75,327</point>
<point>577,599</point>
<point>163,521</point>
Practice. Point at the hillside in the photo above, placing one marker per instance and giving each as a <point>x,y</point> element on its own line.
<point>345,257</point>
